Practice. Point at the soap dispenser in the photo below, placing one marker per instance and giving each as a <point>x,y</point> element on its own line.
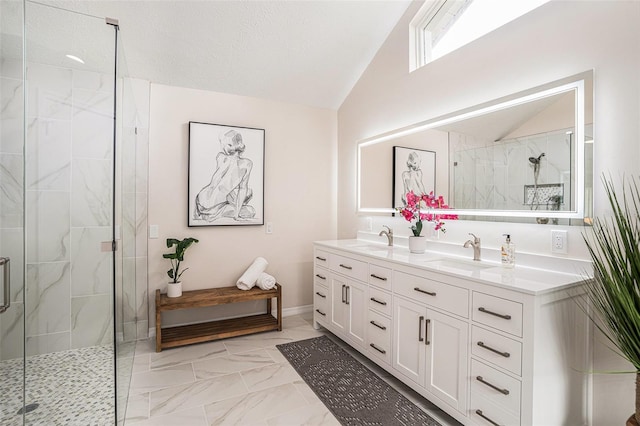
<point>508,253</point>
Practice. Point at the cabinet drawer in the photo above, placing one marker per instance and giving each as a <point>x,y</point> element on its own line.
<point>440,295</point>
<point>379,336</point>
<point>380,276</point>
<point>498,350</point>
<point>321,276</point>
<point>321,258</point>
<point>484,412</point>
<point>320,303</point>
<point>380,301</point>
<point>349,267</point>
<point>502,314</point>
<point>496,387</point>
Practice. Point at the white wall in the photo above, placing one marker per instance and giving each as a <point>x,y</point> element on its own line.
<point>300,194</point>
<point>557,40</point>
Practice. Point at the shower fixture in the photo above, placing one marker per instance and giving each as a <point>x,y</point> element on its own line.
<point>534,160</point>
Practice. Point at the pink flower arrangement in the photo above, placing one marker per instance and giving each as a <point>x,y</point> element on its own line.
<point>414,210</point>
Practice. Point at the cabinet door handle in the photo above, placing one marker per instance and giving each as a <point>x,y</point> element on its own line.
<point>479,412</point>
<point>420,339</point>
<point>378,278</point>
<point>347,292</point>
<point>321,277</point>
<point>324,259</point>
<point>321,295</point>
<point>346,266</point>
<point>430,293</point>
<point>503,316</point>
<point>375,324</point>
<point>382,351</point>
<point>321,313</point>
<point>504,354</point>
<point>373,299</point>
<point>426,332</point>
<point>492,386</point>
<point>343,287</point>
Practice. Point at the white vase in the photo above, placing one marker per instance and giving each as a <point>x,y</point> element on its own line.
<point>417,244</point>
<point>174,289</point>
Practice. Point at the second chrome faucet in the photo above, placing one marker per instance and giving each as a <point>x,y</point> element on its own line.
<point>476,246</point>
<point>388,233</point>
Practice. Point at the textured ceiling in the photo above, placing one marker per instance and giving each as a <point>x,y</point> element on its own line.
<point>304,52</point>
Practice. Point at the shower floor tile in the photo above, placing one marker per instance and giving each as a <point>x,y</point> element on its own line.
<point>74,387</point>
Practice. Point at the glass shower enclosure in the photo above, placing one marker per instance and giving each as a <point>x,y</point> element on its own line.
<point>64,358</point>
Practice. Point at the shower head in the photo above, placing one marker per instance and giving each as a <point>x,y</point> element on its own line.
<point>534,160</point>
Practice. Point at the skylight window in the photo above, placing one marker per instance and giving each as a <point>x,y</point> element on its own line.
<point>442,26</point>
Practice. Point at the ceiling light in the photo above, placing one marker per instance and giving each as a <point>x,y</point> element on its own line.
<point>75,58</point>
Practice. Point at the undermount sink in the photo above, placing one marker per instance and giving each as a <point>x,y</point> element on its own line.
<point>371,247</point>
<point>459,264</point>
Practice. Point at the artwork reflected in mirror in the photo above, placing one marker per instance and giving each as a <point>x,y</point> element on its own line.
<point>413,170</point>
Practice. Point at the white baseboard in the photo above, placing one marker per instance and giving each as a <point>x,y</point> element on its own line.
<point>286,312</point>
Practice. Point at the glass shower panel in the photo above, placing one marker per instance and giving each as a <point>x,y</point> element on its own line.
<point>11,214</point>
<point>70,67</point>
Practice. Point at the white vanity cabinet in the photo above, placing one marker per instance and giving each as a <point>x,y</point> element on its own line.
<point>488,346</point>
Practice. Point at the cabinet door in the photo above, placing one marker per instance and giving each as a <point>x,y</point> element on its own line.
<point>357,306</point>
<point>409,347</point>
<point>338,323</point>
<point>446,374</point>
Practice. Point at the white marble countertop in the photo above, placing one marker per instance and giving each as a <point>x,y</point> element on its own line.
<point>529,280</point>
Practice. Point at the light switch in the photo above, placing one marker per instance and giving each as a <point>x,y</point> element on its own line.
<point>153,231</point>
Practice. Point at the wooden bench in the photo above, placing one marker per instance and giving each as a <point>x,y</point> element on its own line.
<point>171,337</point>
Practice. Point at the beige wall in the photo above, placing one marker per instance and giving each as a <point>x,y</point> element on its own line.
<point>300,159</point>
<point>557,40</point>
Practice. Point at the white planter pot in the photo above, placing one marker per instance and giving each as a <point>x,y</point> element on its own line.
<point>417,244</point>
<point>174,289</point>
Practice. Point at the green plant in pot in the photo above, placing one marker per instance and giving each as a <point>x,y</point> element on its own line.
<point>614,291</point>
<point>180,246</point>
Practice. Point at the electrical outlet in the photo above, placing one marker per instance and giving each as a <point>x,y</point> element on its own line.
<point>269,228</point>
<point>559,242</point>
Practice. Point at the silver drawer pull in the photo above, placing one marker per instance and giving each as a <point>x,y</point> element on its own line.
<point>382,351</point>
<point>373,299</point>
<point>507,317</point>
<point>381,327</point>
<point>420,339</point>
<point>321,295</point>
<point>324,259</point>
<point>321,313</point>
<point>426,332</point>
<point>321,277</point>
<point>430,293</point>
<point>504,354</point>
<point>492,386</point>
<point>378,278</point>
<point>479,412</point>
<point>346,266</point>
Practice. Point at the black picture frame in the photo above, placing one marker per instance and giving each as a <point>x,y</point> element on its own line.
<point>226,175</point>
<point>426,162</point>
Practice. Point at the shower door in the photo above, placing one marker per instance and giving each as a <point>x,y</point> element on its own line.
<point>11,214</point>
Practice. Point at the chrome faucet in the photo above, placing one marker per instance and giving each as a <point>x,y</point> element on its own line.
<point>388,233</point>
<point>476,246</point>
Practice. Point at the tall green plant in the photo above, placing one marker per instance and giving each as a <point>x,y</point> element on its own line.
<point>614,291</point>
<point>177,256</point>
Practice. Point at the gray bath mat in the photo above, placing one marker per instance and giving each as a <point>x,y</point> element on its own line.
<point>353,393</point>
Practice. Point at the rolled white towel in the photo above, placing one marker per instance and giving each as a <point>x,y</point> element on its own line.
<point>266,281</point>
<point>250,276</point>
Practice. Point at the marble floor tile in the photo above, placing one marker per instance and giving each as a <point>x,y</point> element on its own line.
<point>269,376</point>
<point>191,417</point>
<point>313,415</point>
<point>137,408</point>
<point>307,393</point>
<point>197,394</point>
<point>175,356</point>
<point>141,363</point>
<point>158,379</point>
<point>254,408</point>
<point>275,354</point>
<point>232,363</point>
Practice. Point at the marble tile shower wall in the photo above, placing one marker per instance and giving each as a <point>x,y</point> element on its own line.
<point>491,175</point>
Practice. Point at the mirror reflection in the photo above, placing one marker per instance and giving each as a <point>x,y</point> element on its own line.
<point>526,158</point>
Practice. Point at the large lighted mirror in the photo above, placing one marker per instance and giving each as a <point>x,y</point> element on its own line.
<point>526,157</point>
